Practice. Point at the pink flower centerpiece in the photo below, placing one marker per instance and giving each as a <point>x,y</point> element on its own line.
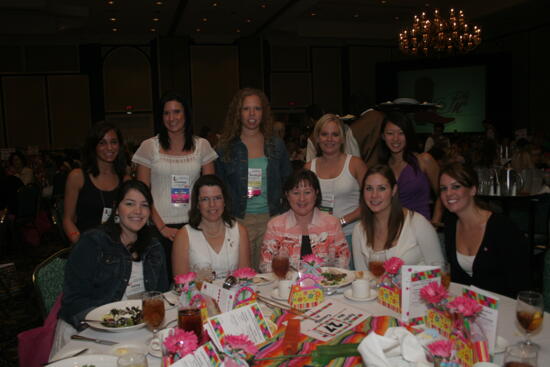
<point>464,306</point>
<point>244,274</point>
<point>441,348</point>
<point>313,260</point>
<point>392,266</point>
<point>184,280</point>
<point>236,349</point>
<point>434,294</point>
<point>179,344</point>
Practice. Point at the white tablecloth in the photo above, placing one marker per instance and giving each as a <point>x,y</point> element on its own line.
<point>507,328</point>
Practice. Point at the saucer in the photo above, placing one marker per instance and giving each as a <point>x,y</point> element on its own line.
<point>154,352</point>
<point>275,294</point>
<point>500,345</point>
<point>348,293</point>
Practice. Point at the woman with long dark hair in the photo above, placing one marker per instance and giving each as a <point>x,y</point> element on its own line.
<point>118,260</point>
<point>90,191</point>
<point>416,173</point>
<point>388,227</point>
<point>484,249</point>
<point>170,163</point>
<point>212,236</point>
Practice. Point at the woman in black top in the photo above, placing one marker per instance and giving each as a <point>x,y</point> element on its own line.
<point>484,249</point>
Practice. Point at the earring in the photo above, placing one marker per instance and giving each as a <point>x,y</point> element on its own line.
<point>117,218</point>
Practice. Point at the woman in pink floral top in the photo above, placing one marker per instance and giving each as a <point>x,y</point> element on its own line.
<point>304,229</point>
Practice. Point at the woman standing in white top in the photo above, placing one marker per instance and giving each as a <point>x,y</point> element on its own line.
<point>170,163</point>
<point>388,227</point>
<point>212,236</point>
<point>340,174</point>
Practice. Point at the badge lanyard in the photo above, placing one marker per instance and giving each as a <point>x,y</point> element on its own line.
<point>254,182</point>
<point>180,191</point>
<point>106,210</point>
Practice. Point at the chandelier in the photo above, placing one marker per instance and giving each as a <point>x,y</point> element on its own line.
<point>439,36</point>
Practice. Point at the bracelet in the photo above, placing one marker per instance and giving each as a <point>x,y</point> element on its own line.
<point>343,221</point>
<point>161,228</point>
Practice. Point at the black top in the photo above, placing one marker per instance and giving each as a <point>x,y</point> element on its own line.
<point>90,204</point>
<point>501,264</point>
<point>306,247</point>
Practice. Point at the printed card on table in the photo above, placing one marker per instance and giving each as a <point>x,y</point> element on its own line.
<point>413,279</point>
<point>248,320</point>
<point>331,318</point>
<point>488,317</point>
<point>224,297</point>
<point>206,355</point>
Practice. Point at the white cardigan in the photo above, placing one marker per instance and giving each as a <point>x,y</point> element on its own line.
<point>418,243</point>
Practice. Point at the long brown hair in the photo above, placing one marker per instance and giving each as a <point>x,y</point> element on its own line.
<point>233,124</point>
<point>466,176</point>
<point>395,223</point>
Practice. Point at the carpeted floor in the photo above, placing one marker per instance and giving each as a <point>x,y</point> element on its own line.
<point>19,309</point>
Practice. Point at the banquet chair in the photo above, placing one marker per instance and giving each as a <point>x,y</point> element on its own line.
<point>48,277</point>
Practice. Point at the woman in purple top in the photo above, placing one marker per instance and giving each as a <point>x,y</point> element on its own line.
<point>415,172</point>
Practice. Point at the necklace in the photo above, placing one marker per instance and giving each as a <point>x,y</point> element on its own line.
<point>215,234</point>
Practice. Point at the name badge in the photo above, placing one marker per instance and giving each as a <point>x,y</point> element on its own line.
<point>254,182</point>
<point>327,203</point>
<point>106,214</point>
<point>180,190</point>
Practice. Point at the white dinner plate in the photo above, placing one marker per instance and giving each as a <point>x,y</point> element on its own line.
<point>264,279</point>
<point>350,277</point>
<point>348,293</point>
<point>119,350</point>
<point>97,360</point>
<point>99,312</point>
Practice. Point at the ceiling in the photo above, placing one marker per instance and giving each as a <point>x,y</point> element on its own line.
<point>225,21</point>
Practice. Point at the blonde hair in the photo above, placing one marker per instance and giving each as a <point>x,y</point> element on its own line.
<point>325,119</point>
<point>233,125</point>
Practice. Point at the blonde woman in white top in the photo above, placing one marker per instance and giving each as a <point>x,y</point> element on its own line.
<point>170,163</point>
<point>340,174</point>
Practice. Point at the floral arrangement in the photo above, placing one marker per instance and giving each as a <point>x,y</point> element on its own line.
<point>236,349</point>
<point>244,274</point>
<point>441,348</point>
<point>184,281</point>
<point>179,344</point>
<point>313,260</point>
<point>393,265</point>
<point>435,295</point>
<point>464,306</point>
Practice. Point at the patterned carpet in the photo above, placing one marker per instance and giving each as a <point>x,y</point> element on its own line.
<point>19,309</point>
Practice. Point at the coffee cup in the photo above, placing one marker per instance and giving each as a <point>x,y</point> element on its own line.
<point>360,288</point>
<point>284,288</point>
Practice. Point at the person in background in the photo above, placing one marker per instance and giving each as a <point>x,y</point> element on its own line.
<point>118,260</point>
<point>17,166</point>
<point>484,249</point>
<point>253,163</point>
<point>388,227</point>
<point>437,138</point>
<point>170,163</point>
<point>415,173</point>
<point>340,174</point>
<point>304,229</point>
<point>90,191</point>
<point>212,237</point>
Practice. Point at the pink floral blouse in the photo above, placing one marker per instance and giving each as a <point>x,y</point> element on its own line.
<point>325,234</point>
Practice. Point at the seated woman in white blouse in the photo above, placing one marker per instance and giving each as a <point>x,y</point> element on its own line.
<point>386,226</point>
<point>212,236</point>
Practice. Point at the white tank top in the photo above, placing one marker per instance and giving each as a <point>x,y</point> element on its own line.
<point>341,193</point>
<point>201,252</point>
<point>466,263</point>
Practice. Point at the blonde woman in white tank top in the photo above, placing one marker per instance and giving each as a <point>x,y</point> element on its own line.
<point>340,174</point>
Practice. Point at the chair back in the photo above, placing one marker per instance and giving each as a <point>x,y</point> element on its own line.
<point>48,277</point>
<point>546,281</point>
<point>28,200</point>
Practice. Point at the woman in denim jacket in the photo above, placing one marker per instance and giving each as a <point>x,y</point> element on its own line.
<point>253,163</point>
<point>116,261</point>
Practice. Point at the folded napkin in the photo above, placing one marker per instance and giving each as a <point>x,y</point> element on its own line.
<point>398,347</point>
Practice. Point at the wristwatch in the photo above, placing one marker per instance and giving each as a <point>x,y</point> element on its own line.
<point>343,221</point>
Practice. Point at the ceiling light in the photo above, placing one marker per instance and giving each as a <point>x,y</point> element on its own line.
<point>312,14</point>
<point>238,30</point>
<point>112,19</point>
<point>439,35</point>
<point>159,3</point>
<point>248,20</point>
<point>197,29</point>
<point>396,17</point>
<point>215,3</point>
<point>356,15</point>
<point>156,19</point>
<point>152,29</point>
<point>114,29</point>
<point>110,2</point>
<point>263,6</point>
<point>383,1</point>
<point>205,20</point>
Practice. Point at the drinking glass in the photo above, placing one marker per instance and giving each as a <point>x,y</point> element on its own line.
<point>530,313</point>
<point>280,264</point>
<point>153,310</point>
<point>445,272</point>
<point>189,319</point>
<point>205,273</point>
<point>132,360</point>
<point>520,355</point>
<point>376,263</point>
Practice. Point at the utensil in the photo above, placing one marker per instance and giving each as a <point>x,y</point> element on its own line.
<point>67,357</point>
<point>98,341</point>
<point>172,304</point>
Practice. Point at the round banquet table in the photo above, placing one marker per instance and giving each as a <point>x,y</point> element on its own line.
<point>507,328</point>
